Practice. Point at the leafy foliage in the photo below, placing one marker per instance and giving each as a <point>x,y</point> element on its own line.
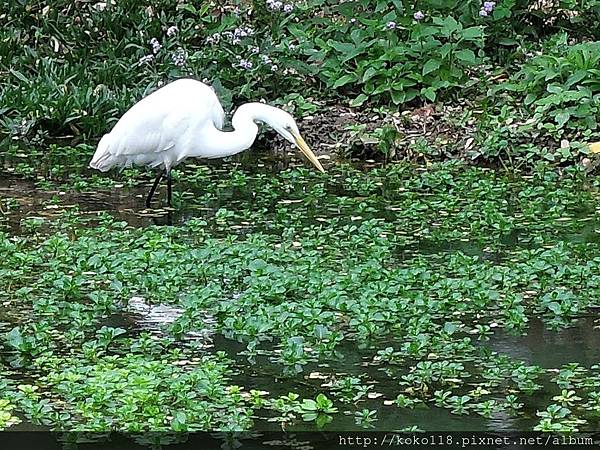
<point>73,70</point>
<point>562,85</point>
<point>410,266</point>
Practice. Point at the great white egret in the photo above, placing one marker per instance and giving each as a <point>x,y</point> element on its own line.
<point>185,119</point>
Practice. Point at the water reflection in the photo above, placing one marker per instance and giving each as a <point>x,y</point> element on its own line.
<point>540,346</point>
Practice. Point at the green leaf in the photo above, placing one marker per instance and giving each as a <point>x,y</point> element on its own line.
<point>508,42</point>
<point>369,73</point>
<point>448,24</point>
<point>429,93</point>
<point>321,331</point>
<point>322,420</point>
<point>554,89</point>
<point>554,307</point>
<point>562,118</point>
<point>322,400</point>
<point>450,327</point>
<point>577,77</point>
<point>342,47</point>
<point>345,79</point>
<point>530,98</point>
<point>348,50</point>
<point>389,16</point>
<point>472,33</point>
<point>19,75</point>
<point>309,405</point>
<point>430,66</point>
<point>179,421</point>
<point>466,56</point>
<point>15,338</point>
<point>257,265</point>
<point>398,97</point>
<point>501,13</point>
<point>358,100</point>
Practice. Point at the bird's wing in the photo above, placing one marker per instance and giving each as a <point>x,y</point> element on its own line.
<point>159,121</point>
<point>143,131</point>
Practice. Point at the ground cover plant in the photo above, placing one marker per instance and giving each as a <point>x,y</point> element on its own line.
<point>418,272</point>
<point>443,276</point>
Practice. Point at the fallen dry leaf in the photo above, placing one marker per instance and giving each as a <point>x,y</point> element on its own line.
<point>595,147</point>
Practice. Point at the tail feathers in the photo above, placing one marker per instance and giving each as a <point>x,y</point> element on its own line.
<point>103,160</point>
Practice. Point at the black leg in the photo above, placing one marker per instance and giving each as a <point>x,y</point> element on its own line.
<point>153,188</point>
<point>169,187</point>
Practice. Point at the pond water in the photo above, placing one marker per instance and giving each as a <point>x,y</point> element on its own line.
<point>448,298</point>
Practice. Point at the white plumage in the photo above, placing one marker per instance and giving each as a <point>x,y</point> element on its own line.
<point>185,119</point>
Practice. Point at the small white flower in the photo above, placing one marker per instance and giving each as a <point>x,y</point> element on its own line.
<point>288,9</point>
<point>214,39</point>
<point>172,31</point>
<point>179,57</point>
<point>245,64</point>
<point>274,5</point>
<point>145,59</point>
<point>155,45</point>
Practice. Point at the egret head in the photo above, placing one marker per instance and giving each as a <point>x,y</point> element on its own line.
<point>285,125</point>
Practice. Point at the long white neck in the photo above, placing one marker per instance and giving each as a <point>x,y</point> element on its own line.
<point>218,144</point>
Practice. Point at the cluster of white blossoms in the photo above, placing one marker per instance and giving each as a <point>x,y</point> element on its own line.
<point>276,5</point>
<point>235,36</point>
<point>178,58</point>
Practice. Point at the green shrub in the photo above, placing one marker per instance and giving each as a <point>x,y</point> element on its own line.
<point>384,61</point>
<point>561,86</point>
<point>71,69</point>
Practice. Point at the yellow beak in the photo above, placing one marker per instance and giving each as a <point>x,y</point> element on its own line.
<point>305,149</point>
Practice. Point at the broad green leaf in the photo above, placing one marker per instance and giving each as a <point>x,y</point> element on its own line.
<point>472,33</point>
<point>429,94</point>
<point>450,327</point>
<point>398,97</point>
<point>430,66</point>
<point>344,79</point>
<point>576,77</point>
<point>467,56</point>
<point>14,338</point>
<point>358,100</point>
<point>508,42</point>
<point>369,73</point>
<point>554,89</point>
<point>562,118</point>
<point>530,98</point>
